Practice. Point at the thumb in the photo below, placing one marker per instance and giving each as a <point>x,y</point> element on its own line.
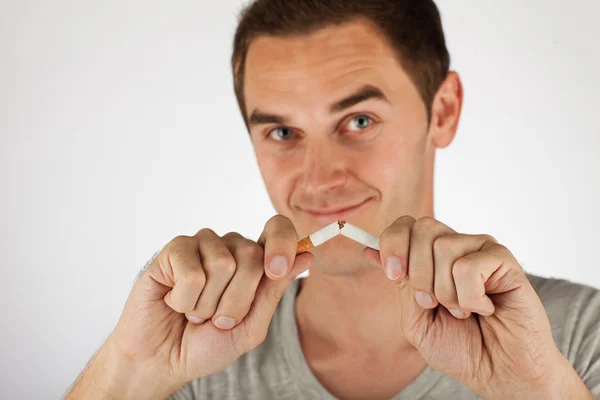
<point>270,292</point>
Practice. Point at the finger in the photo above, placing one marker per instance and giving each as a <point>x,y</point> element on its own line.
<point>421,272</point>
<point>446,250</point>
<point>394,248</point>
<point>219,267</point>
<point>239,295</point>
<point>280,240</point>
<point>472,274</point>
<point>268,295</point>
<point>178,266</point>
<point>372,256</point>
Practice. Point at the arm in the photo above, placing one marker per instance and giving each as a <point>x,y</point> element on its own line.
<point>575,313</point>
<point>111,376</point>
<point>568,384</point>
<point>562,383</point>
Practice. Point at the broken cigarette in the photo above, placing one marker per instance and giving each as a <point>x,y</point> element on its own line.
<point>332,230</point>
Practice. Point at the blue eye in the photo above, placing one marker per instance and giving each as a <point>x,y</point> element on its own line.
<point>359,122</point>
<point>282,133</point>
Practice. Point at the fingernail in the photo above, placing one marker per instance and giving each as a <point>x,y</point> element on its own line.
<point>424,299</point>
<point>278,266</point>
<point>393,268</point>
<point>195,320</point>
<point>225,323</point>
<point>459,314</point>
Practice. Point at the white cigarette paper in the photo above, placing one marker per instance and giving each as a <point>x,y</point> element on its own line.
<point>325,234</point>
<point>338,228</point>
<point>360,236</point>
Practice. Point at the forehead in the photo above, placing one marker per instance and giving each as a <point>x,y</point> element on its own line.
<point>323,64</point>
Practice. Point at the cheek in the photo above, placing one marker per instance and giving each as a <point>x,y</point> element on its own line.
<point>394,168</point>
<point>389,161</point>
<point>277,176</point>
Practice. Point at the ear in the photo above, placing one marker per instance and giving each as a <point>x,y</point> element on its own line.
<point>445,111</point>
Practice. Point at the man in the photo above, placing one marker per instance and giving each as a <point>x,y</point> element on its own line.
<point>346,102</point>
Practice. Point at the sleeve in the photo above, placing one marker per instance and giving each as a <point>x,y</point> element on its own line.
<point>585,356</point>
<point>186,392</point>
<point>574,313</point>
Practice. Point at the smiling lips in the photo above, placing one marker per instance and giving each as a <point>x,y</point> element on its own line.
<point>338,213</point>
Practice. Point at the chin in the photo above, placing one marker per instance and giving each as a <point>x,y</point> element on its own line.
<point>339,256</point>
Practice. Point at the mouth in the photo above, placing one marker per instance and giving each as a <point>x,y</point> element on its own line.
<point>335,214</point>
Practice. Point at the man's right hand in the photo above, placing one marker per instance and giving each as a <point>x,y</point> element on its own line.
<point>203,302</point>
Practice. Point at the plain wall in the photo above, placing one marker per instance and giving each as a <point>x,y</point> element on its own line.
<point>119,130</point>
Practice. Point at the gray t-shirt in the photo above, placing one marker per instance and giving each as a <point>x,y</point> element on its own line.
<point>277,369</point>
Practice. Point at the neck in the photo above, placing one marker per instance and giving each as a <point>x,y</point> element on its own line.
<point>344,313</point>
<point>351,335</point>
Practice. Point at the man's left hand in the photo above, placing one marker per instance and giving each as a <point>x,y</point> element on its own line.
<point>469,308</point>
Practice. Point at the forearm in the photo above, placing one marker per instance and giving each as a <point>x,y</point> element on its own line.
<point>567,384</point>
<point>110,377</point>
<point>562,383</point>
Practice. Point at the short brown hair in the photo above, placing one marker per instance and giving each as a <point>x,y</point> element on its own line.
<point>412,27</point>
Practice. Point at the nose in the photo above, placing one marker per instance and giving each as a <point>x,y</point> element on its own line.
<point>324,169</point>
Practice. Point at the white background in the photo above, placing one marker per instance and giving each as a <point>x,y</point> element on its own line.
<point>119,130</point>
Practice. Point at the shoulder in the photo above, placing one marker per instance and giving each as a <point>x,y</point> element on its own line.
<point>562,297</point>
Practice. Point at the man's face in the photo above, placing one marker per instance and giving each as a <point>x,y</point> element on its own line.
<point>336,123</point>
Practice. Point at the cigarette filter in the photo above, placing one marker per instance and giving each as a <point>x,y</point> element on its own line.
<point>317,238</point>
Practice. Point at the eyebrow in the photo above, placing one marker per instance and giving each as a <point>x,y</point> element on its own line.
<point>364,93</point>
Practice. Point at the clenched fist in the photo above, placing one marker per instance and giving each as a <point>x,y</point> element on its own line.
<point>203,302</point>
<point>469,309</point>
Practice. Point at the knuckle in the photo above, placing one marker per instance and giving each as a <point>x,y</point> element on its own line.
<point>462,268</point>
<point>421,276</point>
<point>224,262</point>
<point>500,249</point>
<point>489,238</point>
<point>386,239</point>
<point>424,224</point>
<point>235,306</point>
<point>250,250</point>
<point>279,219</point>
<point>419,268</point>
<point>231,235</point>
<point>179,242</point>
<point>394,233</point>
<point>282,225</point>
<point>406,219</point>
<point>196,277</point>
<point>422,281</point>
<point>445,297</point>
<point>206,232</point>
<point>401,224</point>
<point>443,243</point>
